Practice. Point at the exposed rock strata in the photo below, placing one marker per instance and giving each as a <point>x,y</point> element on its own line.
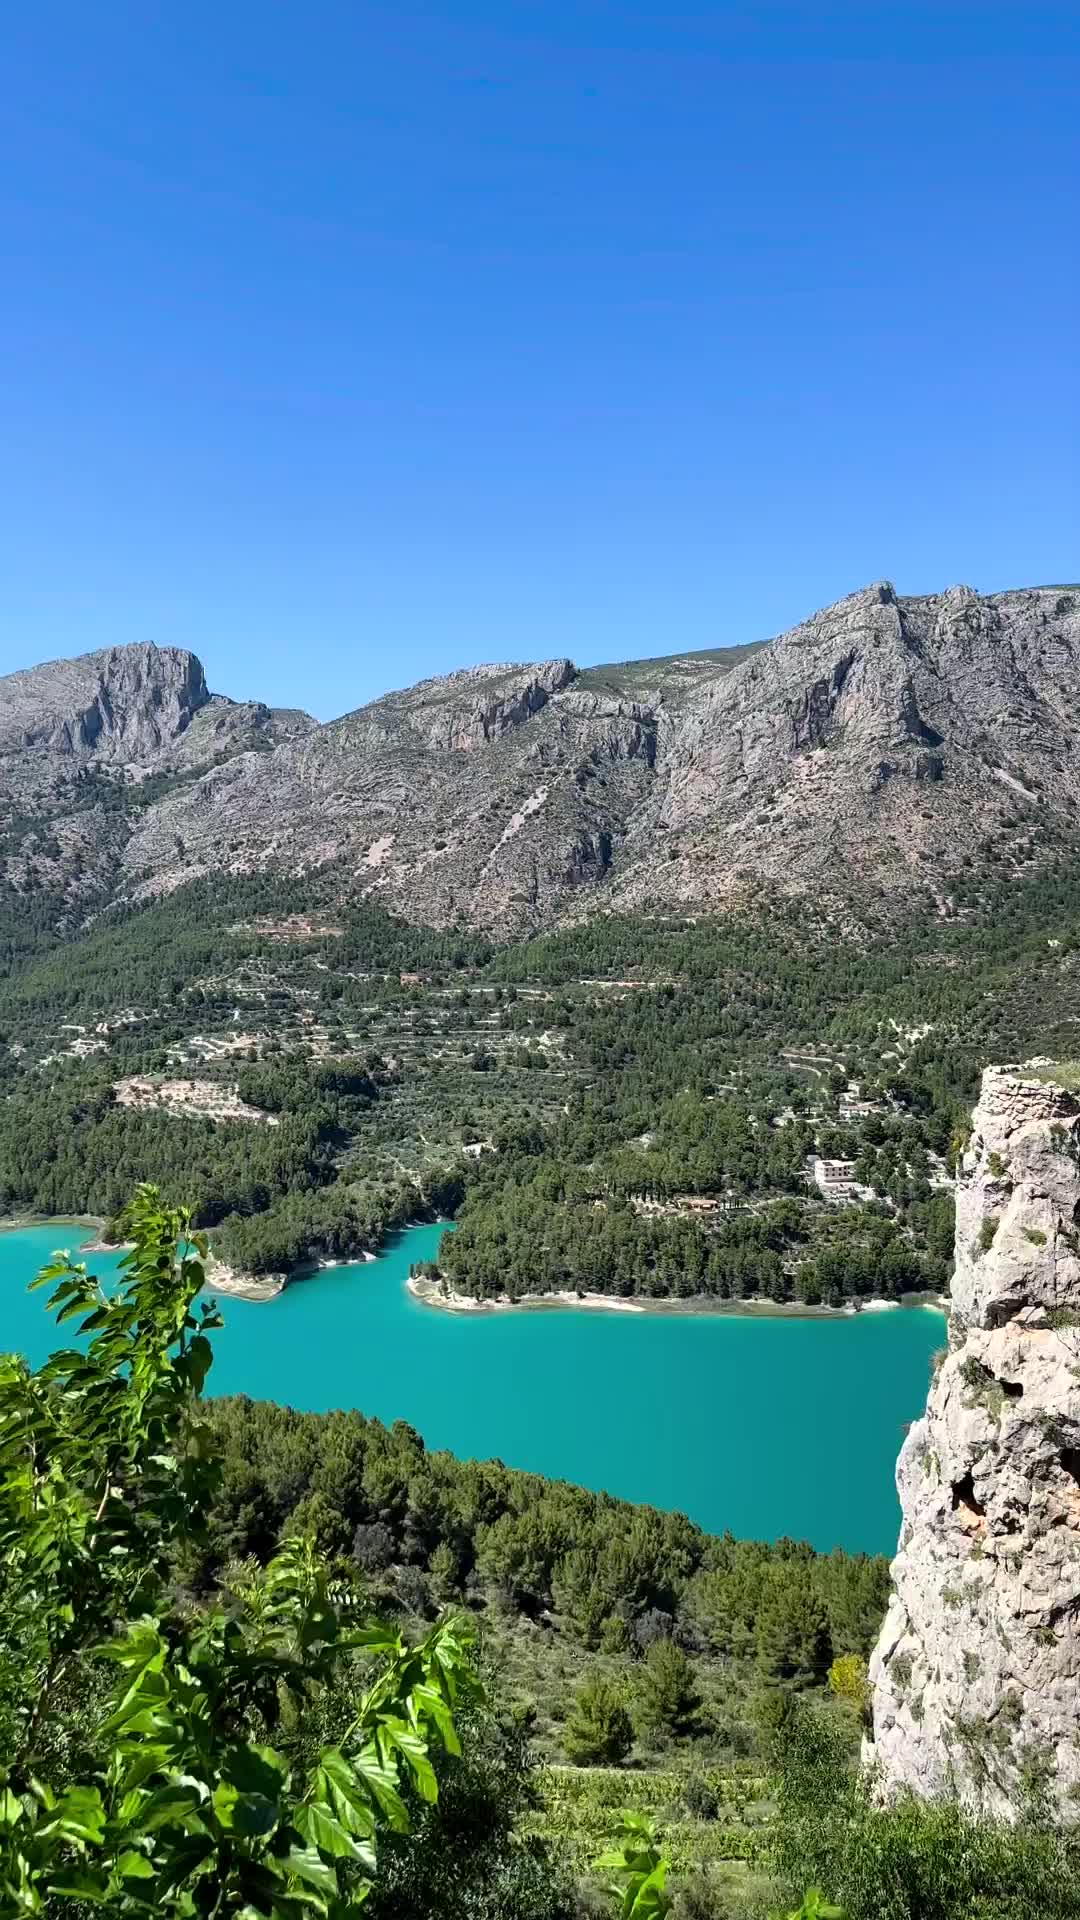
<point>867,752</point>
<point>976,1675</point>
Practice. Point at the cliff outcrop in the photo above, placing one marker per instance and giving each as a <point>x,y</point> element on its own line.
<point>121,704</point>
<point>976,1675</point>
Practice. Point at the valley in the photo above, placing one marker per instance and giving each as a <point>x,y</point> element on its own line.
<point>569,1589</point>
<point>729,1454</point>
<point>540,964</point>
<point>648,1109</point>
<point>630,949</point>
<point>497,988</point>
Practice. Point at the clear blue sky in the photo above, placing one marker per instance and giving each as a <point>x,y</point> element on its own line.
<point>346,343</point>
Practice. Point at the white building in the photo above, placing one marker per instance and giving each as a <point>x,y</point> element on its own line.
<point>836,1182</point>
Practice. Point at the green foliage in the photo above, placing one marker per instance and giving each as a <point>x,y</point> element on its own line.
<point>579,1805</point>
<point>987,1232</point>
<point>668,1700</point>
<point>848,1680</point>
<point>792,1635</point>
<point>182,1790</point>
<point>599,1731</point>
<point>466,1856</point>
<point>671,1053</point>
<point>813,1906</point>
<point>535,1545</point>
<point>640,1871</point>
<point>146,987</point>
<point>913,1860</point>
<point>538,1221</point>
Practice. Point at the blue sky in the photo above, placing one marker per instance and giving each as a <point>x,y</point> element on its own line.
<point>348,343</point>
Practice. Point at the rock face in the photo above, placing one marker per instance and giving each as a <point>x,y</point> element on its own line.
<point>458,712</point>
<point>122,704</point>
<point>976,1675</point>
<point>78,739</point>
<point>138,708</point>
<point>872,747</point>
<point>866,752</point>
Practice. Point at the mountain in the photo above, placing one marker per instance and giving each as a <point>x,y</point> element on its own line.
<point>86,745</point>
<point>873,749</point>
<point>141,708</point>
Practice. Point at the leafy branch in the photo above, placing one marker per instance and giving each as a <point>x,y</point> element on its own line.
<point>178,1793</point>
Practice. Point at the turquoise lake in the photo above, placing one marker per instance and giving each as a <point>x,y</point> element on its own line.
<point>759,1427</point>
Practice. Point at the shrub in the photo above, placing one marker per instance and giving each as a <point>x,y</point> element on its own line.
<point>913,1860</point>
<point>701,1799</point>
<point>848,1680</point>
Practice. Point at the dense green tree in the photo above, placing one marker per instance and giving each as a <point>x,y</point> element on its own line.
<point>792,1634</point>
<point>599,1731</point>
<point>668,1700</point>
<point>462,1858</point>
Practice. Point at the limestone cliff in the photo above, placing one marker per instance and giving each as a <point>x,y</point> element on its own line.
<point>867,751</point>
<point>975,1675</point>
<point>122,704</point>
<point>79,742</point>
<point>868,756</point>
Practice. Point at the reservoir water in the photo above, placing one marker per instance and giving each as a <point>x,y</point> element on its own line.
<point>762,1427</point>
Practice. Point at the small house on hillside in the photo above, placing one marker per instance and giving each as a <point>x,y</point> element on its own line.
<point>836,1182</point>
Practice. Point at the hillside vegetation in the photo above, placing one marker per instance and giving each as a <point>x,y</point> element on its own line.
<point>654,1090</point>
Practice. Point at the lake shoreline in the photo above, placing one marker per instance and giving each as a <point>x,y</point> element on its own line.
<point>429,1293</point>
<point>547,1395</point>
<point>19,1222</point>
<point>260,1289</point>
<point>219,1277</point>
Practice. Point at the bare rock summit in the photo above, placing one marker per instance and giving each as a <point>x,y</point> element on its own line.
<point>867,751</point>
<point>120,704</point>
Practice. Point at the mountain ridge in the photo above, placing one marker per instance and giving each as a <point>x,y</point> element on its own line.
<point>875,746</point>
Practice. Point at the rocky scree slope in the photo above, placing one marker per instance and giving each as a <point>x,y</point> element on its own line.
<point>976,1675</point>
<point>877,743</point>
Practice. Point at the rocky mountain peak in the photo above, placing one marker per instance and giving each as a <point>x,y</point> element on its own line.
<point>975,1674</point>
<point>120,703</point>
<point>459,712</point>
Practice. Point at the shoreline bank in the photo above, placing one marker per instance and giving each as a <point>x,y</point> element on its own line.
<point>429,1293</point>
<point>19,1222</point>
<point>219,1277</point>
<point>259,1289</point>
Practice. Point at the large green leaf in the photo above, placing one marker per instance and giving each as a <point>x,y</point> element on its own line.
<point>306,1865</point>
<point>79,1815</point>
<point>80,1883</point>
<point>324,1830</point>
